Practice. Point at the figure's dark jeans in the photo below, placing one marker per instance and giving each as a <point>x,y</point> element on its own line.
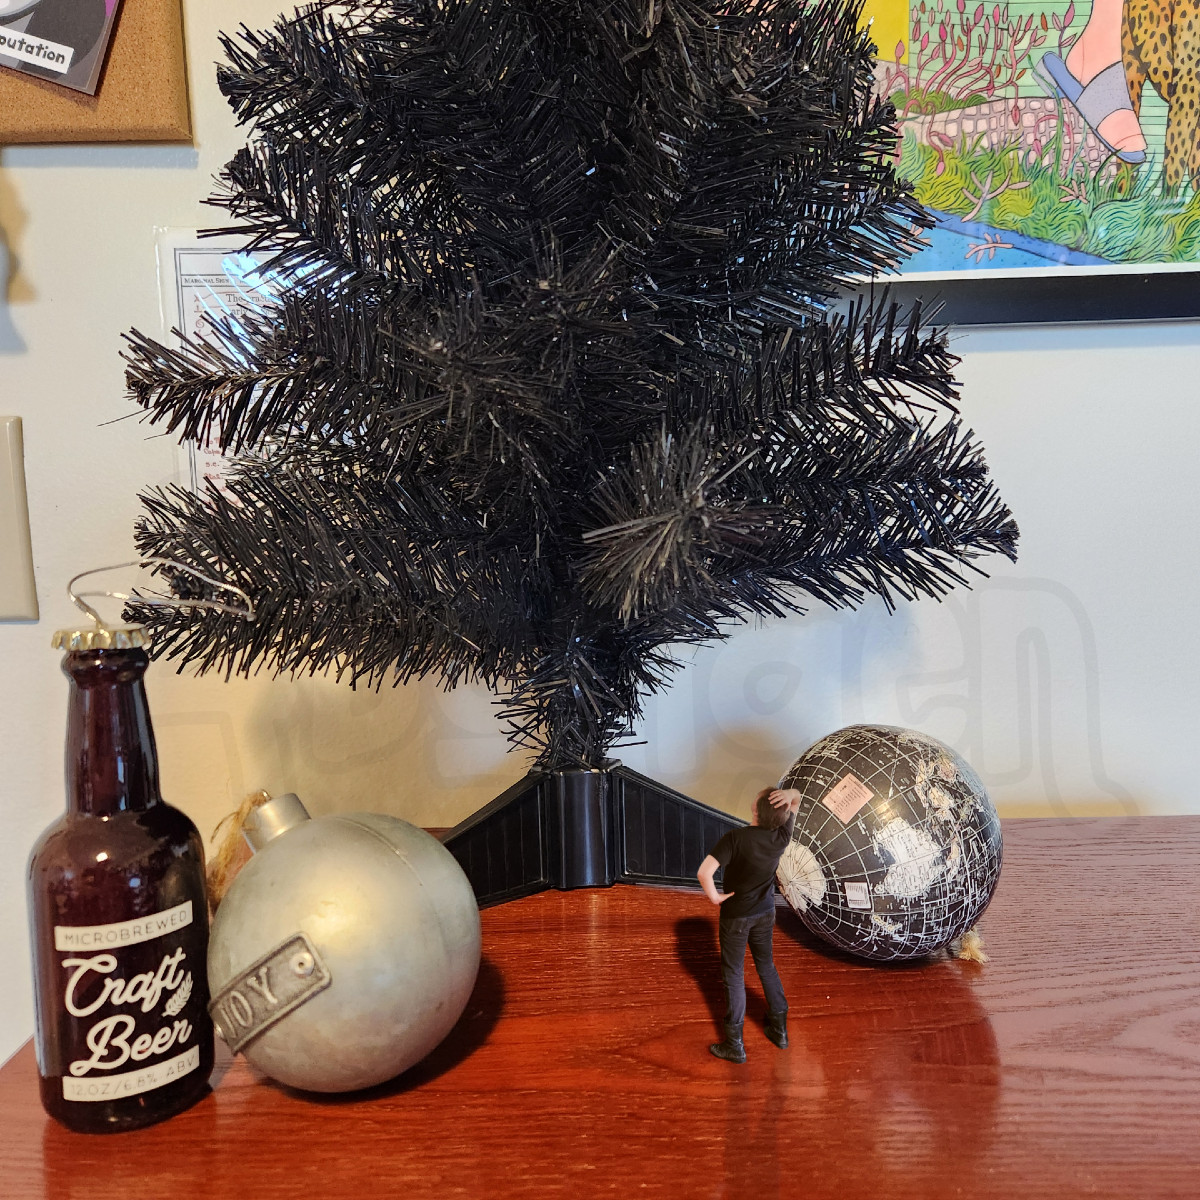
<point>734,935</point>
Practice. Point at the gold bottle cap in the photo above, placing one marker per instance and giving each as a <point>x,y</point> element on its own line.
<point>126,637</point>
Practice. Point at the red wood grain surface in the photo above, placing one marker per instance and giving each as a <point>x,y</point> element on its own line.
<point>1069,1066</point>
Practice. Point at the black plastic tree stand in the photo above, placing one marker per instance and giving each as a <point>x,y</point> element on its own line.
<point>584,828</point>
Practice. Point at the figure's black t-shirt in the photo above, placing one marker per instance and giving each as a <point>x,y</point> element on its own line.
<point>750,856</point>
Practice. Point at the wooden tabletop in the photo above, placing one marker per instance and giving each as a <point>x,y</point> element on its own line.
<point>1068,1066</point>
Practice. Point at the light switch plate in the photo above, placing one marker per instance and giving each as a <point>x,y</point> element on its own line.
<point>18,595</point>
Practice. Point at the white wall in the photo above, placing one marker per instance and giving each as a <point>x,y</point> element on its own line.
<point>1068,680</point>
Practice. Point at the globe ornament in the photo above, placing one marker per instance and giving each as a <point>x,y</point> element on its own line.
<point>896,849</point>
<point>344,951</point>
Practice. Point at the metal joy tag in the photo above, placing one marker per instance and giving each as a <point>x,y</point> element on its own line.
<point>267,990</point>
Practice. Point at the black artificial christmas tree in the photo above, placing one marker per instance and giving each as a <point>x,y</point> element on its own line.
<point>554,382</point>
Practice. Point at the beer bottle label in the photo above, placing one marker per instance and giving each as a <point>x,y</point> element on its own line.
<point>132,995</point>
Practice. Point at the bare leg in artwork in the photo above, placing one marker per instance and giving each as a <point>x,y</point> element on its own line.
<point>1092,79</point>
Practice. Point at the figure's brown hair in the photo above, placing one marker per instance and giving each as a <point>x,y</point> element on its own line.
<point>769,817</point>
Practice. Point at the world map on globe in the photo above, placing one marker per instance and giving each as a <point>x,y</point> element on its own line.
<point>896,849</point>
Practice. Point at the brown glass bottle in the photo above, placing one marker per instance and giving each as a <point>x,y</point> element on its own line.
<point>119,915</point>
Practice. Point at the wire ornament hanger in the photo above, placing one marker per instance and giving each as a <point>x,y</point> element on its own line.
<point>78,598</point>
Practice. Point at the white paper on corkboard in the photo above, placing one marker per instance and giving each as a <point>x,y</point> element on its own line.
<point>64,41</point>
<point>141,94</point>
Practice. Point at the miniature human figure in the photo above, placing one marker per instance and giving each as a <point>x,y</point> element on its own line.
<point>750,857</point>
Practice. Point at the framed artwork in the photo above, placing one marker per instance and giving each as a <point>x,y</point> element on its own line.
<point>1053,140</point>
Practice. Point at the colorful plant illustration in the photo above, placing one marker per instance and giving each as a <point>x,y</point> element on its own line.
<point>990,244</point>
<point>984,144</point>
<point>1115,213</point>
<point>959,55</point>
<point>985,191</point>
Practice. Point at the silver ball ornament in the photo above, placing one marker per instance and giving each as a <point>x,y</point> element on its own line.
<point>896,849</point>
<point>344,951</point>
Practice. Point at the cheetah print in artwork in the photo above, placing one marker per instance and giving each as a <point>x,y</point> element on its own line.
<point>1160,41</point>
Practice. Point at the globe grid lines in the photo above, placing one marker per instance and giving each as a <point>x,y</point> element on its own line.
<point>903,769</point>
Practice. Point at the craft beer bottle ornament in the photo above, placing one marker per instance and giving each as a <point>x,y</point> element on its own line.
<point>118,910</point>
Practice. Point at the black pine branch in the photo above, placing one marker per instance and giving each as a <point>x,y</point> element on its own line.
<point>555,381</point>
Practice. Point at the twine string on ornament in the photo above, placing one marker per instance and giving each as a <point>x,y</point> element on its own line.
<point>970,946</point>
<point>227,861</point>
<point>246,609</point>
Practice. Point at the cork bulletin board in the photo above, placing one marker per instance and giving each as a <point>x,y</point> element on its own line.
<point>142,95</point>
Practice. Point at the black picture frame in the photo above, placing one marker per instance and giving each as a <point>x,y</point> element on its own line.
<point>1058,298</point>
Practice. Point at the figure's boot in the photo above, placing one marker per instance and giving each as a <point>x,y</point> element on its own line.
<point>731,1049</point>
<point>776,1027</point>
